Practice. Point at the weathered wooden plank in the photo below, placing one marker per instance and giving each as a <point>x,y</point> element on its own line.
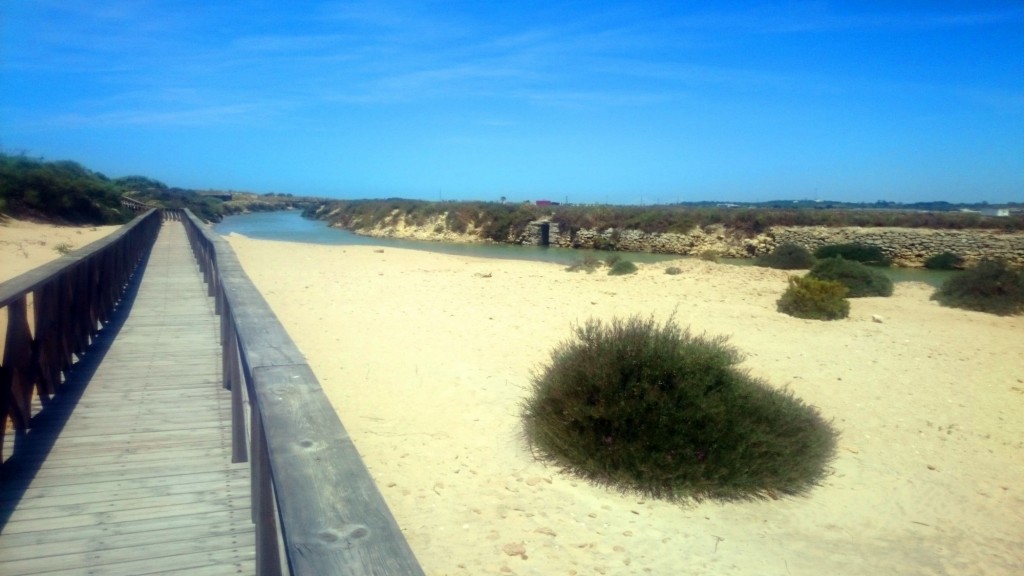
<point>123,471</point>
<point>131,559</point>
<point>152,499</point>
<point>223,520</point>
<point>117,486</point>
<point>76,459</point>
<point>129,491</point>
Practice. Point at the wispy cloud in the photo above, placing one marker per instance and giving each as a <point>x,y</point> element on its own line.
<point>140,117</point>
<point>821,17</point>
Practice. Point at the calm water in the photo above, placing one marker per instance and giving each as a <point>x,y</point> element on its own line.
<point>292,227</point>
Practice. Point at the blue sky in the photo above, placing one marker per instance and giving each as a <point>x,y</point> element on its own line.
<point>591,101</point>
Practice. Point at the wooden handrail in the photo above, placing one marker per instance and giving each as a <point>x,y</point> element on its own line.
<point>136,205</point>
<point>72,297</point>
<point>311,490</point>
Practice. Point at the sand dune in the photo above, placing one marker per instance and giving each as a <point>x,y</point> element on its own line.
<point>25,245</point>
<point>426,357</point>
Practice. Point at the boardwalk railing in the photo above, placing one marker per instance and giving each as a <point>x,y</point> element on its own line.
<point>71,299</point>
<point>312,495</point>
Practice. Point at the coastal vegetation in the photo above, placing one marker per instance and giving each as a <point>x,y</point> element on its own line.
<point>652,409</point>
<point>787,256</point>
<point>63,191</point>
<point>863,253</point>
<point>989,286</point>
<point>859,279</point>
<point>622,268</point>
<point>813,299</point>
<point>67,192</point>
<point>500,220</point>
<point>944,261</point>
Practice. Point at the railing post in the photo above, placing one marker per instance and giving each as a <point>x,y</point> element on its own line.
<point>233,380</point>
<point>268,560</point>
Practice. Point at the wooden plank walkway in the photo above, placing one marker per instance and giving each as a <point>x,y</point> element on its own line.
<point>129,471</point>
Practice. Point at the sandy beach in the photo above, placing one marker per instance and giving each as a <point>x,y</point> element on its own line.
<point>25,245</point>
<point>426,358</point>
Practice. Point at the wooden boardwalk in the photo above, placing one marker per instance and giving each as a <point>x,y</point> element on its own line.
<point>129,470</point>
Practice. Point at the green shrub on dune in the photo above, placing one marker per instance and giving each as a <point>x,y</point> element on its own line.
<point>621,268</point>
<point>861,280</point>
<point>814,299</point>
<point>863,253</point>
<point>650,408</point>
<point>990,286</point>
<point>944,261</point>
<point>787,256</point>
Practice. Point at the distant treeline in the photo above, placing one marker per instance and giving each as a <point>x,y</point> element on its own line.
<point>496,220</point>
<point>67,192</point>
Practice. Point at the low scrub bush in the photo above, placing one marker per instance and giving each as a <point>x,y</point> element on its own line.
<point>859,279</point>
<point>990,286</point>
<point>652,409</point>
<point>673,270</point>
<point>945,261</point>
<point>621,268</point>
<point>787,256</point>
<point>864,253</point>
<point>814,299</point>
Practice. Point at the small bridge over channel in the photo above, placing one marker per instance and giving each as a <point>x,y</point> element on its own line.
<point>157,419</point>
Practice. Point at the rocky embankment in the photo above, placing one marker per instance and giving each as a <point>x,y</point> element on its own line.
<point>906,246</point>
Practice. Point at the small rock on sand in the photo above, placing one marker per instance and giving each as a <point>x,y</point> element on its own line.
<point>515,549</point>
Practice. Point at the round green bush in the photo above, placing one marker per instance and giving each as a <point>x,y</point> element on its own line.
<point>860,280</point>
<point>673,270</point>
<point>787,256</point>
<point>814,299</point>
<point>652,409</point>
<point>990,286</point>
<point>944,261</point>
<point>621,268</point>
<point>863,253</point>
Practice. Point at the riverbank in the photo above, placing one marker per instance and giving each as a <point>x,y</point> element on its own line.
<point>427,356</point>
<point>907,238</point>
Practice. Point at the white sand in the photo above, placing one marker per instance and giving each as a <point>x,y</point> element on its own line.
<point>26,245</point>
<point>426,361</point>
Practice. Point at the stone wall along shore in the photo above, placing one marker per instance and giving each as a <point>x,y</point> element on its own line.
<point>907,247</point>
